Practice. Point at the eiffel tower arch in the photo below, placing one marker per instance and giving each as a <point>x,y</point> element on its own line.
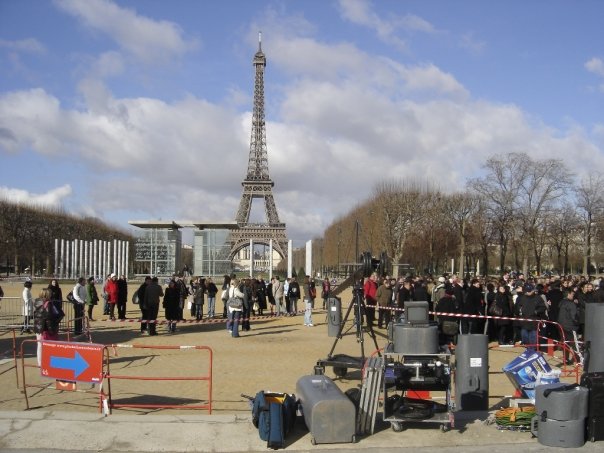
<point>257,183</point>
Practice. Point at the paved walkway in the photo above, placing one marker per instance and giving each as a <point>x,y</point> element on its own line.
<point>46,431</point>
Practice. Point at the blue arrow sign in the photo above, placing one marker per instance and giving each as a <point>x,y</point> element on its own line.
<point>77,364</point>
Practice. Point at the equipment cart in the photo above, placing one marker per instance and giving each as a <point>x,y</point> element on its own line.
<point>407,374</point>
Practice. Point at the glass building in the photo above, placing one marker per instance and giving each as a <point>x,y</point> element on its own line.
<point>158,248</point>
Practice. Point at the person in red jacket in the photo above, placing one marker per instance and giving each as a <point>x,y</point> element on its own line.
<point>112,290</point>
<point>370,291</point>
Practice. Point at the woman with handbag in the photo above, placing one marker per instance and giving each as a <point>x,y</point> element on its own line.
<point>235,307</point>
<point>448,325</point>
<point>47,317</point>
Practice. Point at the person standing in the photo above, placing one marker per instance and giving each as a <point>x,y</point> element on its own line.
<point>226,284</point>
<point>92,297</point>
<point>448,325</point>
<point>105,296</point>
<point>112,290</point>
<point>530,306</point>
<point>153,295</point>
<point>140,294</point>
<point>383,297</point>
<point>286,295</point>
<point>278,295</point>
<point>28,307</point>
<point>79,297</point>
<point>472,304</point>
<point>171,306</point>
<point>56,294</point>
<point>198,298</point>
<point>503,302</point>
<point>308,301</point>
<point>246,288</point>
<point>261,295</point>
<point>325,291</point>
<point>370,290</point>
<point>212,291</point>
<point>183,293</point>
<point>47,317</point>
<point>122,296</point>
<point>293,292</point>
<point>568,318</point>
<point>235,307</point>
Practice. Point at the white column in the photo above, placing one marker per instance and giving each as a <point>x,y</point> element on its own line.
<point>86,268</point>
<point>477,268</point>
<point>452,266</point>
<point>251,257</point>
<point>67,260</point>
<point>56,258</point>
<point>270,259</point>
<point>119,258</point>
<point>308,268</point>
<point>81,259</point>
<point>290,253</point>
<point>95,257</point>
<point>115,267</point>
<point>126,262</point>
<point>62,259</point>
<point>74,262</point>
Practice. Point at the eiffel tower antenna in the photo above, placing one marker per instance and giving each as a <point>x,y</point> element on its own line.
<point>257,182</point>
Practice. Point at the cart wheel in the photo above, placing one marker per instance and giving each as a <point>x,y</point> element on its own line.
<point>444,428</point>
<point>340,371</point>
<point>313,441</point>
<point>397,427</point>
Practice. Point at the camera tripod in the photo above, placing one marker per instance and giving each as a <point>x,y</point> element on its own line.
<point>341,362</point>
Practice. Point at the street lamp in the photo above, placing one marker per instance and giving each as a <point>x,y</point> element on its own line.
<point>339,232</point>
<point>7,263</point>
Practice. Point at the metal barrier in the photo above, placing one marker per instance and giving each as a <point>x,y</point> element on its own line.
<point>12,352</point>
<point>11,313</point>
<point>108,403</point>
<point>59,385</point>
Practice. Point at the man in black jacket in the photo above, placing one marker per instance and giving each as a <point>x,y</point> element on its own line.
<point>568,318</point>
<point>529,306</point>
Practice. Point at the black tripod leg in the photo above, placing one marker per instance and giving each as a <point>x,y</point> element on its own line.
<point>339,337</point>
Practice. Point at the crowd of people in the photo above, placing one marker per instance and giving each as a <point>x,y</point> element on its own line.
<point>517,305</point>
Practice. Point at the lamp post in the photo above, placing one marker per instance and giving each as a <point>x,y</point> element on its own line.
<point>7,263</point>
<point>339,232</point>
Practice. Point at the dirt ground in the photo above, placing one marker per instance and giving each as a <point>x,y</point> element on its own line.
<point>273,355</point>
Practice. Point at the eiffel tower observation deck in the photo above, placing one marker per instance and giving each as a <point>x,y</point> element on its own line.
<point>257,183</point>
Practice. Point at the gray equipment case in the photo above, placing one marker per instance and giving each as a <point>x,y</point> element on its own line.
<point>328,413</point>
<point>562,402</point>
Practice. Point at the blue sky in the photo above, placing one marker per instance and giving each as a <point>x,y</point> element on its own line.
<point>139,110</point>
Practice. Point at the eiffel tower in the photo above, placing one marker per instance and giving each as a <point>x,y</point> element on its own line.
<point>257,182</point>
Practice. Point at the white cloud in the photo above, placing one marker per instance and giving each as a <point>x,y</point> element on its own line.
<point>147,40</point>
<point>336,128</point>
<point>52,198</point>
<point>596,66</point>
<point>28,45</point>
<point>361,12</point>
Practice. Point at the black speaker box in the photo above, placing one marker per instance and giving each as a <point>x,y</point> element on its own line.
<point>595,418</point>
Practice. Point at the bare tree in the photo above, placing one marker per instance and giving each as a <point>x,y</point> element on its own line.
<point>545,183</point>
<point>460,208</point>
<point>400,206</point>
<point>500,191</point>
<point>590,201</point>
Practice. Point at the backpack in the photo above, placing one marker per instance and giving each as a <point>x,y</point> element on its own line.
<point>274,414</point>
<point>70,298</point>
<point>313,292</point>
